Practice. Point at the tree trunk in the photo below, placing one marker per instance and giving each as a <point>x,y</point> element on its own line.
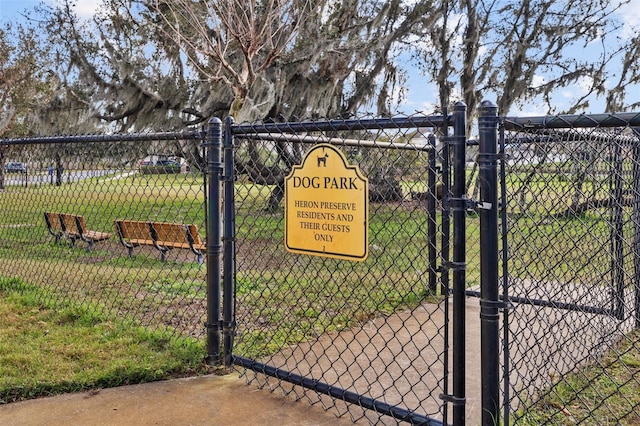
<point>59,169</point>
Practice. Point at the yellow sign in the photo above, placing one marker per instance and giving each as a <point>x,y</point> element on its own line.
<point>327,206</point>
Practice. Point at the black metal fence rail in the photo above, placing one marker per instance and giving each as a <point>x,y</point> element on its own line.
<point>397,413</point>
<point>118,137</point>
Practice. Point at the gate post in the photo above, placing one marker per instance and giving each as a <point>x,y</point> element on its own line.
<point>229,239</point>
<point>459,208</point>
<point>617,234</point>
<point>432,226</point>
<point>213,147</point>
<point>489,302</point>
<point>636,224</point>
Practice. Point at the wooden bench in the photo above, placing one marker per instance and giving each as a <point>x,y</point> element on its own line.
<point>74,227</point>
<point>163,236</point>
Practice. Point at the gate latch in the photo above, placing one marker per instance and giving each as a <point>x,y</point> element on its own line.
<point>452,399</point>
<point>483,205</point>
<point>462,204</point>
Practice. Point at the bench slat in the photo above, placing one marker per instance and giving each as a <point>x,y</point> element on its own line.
<point>170,233</point>
<point>53,221</point>
<point>173,244</point>
<point>138,242</point>
<point>69,224</point>
<point>132,229</point>
<point>97,235</point>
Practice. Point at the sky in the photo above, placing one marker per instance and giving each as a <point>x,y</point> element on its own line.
<point>421,94</point>
<point>10,9</point>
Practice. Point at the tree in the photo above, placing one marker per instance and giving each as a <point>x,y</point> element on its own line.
<point>628,77</point>
<point>158,64</point>
<point>233,42</point>
<point>519,51</point>
<point>528,51</point>
<point>25,85</point>
<point>184,61</point>
<point>181,62</point>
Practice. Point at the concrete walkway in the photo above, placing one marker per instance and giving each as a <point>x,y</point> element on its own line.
<point>205,400</point>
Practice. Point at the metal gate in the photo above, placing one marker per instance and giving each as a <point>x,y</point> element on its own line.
<point>566,254</point>
<point>369,339</point>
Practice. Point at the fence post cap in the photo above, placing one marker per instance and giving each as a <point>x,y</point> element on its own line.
<point>459,106</point>
<point>487,104</point>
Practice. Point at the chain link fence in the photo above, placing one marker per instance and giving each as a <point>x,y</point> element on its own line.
<point>371,333</point>
<point>61,199</point>
<point>570,220</point>
<point>123,225</point>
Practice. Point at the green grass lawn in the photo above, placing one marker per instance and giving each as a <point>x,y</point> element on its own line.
<point>46,351</point>
<point>580,396</point>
